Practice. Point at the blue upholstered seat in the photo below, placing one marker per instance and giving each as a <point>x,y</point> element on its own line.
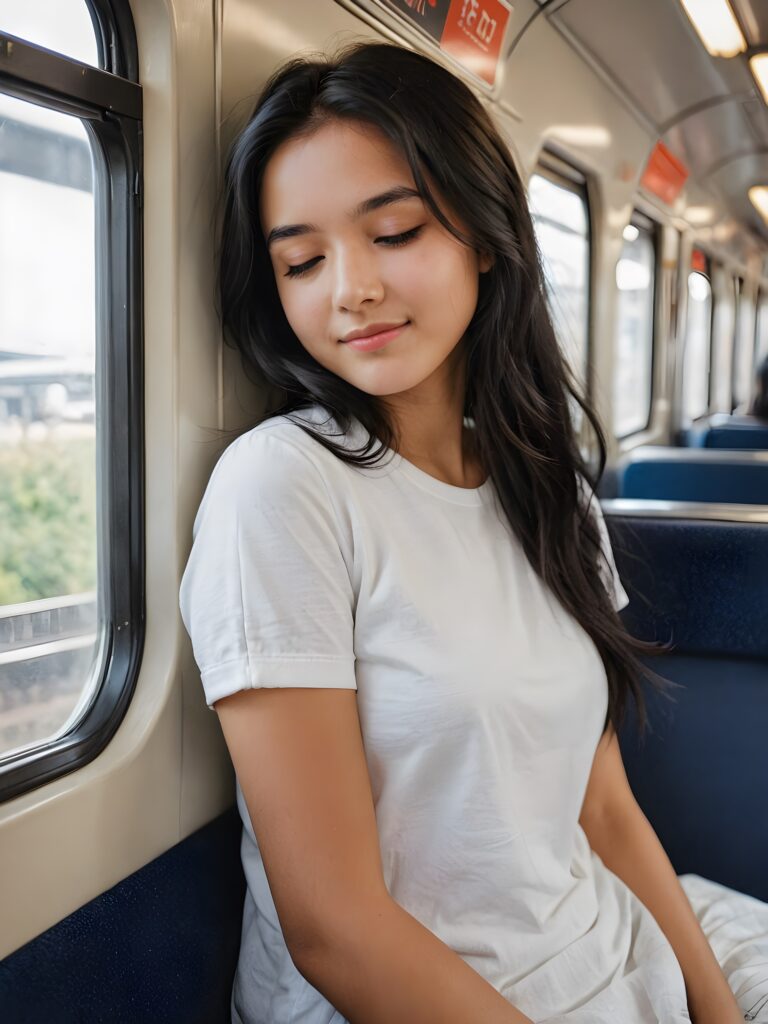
<point>701,776</point>
<point>730,432</point>
<point>693,474</point>
<point>160,946</point>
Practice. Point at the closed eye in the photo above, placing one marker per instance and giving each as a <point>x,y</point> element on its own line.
<point>388,240</point>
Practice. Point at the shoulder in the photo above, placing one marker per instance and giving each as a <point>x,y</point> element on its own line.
<point>278,452</point>
<point>278,470</point>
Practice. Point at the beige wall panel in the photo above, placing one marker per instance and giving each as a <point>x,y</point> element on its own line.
<point>66,842</point>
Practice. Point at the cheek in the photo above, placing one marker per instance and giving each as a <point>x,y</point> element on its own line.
<point>301,305</point>
<point>448,279</point>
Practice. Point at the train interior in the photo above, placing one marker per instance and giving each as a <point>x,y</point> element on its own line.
<point>643,142</point>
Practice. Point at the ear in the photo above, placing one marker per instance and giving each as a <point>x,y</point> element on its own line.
<point>485,262</point>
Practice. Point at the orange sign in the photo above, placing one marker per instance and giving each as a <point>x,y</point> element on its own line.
<point>664,174</point>
<point>473,33</point>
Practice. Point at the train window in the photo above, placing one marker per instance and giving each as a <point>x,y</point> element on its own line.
<point>698,338</point>
<point>725,326</point>
<point>61,25</point>
<point>71,595</point>
<point>633,360</point>
<point>47,458</point>
<point>560,213</point>
<point>761,327</point>
<point>743,351</point>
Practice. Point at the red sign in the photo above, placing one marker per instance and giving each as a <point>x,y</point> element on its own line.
<point>473,33</point>
<point>664,174</point>
<point>698,261</point>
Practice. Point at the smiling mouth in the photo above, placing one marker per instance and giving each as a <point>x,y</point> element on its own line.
<point>374,341</point>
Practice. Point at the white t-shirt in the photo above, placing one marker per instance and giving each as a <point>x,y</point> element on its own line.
<point>481,704</point>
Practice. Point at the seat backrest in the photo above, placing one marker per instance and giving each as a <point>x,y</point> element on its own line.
<point>747,438</point>
<point>701,775</point>
<point>161,945</point>
<point>693,474</point>
<point>730,432</point>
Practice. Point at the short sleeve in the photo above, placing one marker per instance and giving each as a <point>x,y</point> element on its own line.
<point>266,595</point>
<point>610,573</point>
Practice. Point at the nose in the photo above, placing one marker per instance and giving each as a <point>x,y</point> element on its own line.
<point>357,278</point>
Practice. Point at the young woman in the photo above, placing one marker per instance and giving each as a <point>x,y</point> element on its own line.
<point>402,597</point>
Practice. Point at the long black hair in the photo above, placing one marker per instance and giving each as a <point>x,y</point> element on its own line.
<point>518,383</point>
<point>759,406</point>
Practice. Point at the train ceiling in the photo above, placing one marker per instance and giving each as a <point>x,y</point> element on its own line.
<point>707,110</point>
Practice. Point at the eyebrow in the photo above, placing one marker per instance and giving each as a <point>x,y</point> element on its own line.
<point>392,195</point>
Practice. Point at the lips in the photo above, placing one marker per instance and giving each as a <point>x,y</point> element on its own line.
<point>370,342</point>
<point>371,330</point>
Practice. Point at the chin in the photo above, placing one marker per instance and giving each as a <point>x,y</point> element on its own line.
<point>383,385</point>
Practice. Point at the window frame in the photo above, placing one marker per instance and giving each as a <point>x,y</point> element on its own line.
<point>709,275</point>
<point>707,272</point>
<point>115,38</point>
<point>760,297</point>
<point>738,294</point>
<point>560,172</point>
<point>109,102</point>
<point>739,338</point>
<point>731,278</point>
<point>652,228</point>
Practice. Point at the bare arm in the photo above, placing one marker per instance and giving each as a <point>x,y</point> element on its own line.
<point>625,841</point>
<point>396,971</point>
<point>299,757</point>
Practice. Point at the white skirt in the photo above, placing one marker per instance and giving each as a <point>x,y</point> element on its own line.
<point>736,926</point>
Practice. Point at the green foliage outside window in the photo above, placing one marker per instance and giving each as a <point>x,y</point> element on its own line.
<point>47,519</point>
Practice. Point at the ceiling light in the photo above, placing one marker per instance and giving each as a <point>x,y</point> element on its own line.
<point>699,215</point>
<point>716,26</point>
<point>759,68</point>
<point>582,135</point>
<point>758,195</point>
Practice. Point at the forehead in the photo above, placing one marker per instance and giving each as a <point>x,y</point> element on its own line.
<point>332,169</point>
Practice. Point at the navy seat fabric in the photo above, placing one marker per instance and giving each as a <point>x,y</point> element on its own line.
<point>159,947</point>
<point>754,438</point>
<point>730,432</point>
<point>701,774</point>
<point>694,474</point>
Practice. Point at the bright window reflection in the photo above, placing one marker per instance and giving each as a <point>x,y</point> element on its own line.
<point>633,356</point>
<point>49,641</point>
<point>697,343</point>
<point>562,230</point>
<point>745,350</point>
<point>61,25</point>
<point>725,327</point>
